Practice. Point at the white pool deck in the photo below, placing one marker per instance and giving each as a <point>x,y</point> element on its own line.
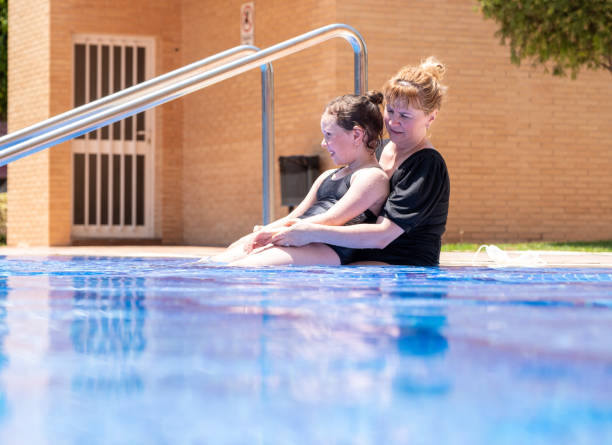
<point>545,258</point>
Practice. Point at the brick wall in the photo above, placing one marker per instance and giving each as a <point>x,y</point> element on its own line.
<point>28,103</point>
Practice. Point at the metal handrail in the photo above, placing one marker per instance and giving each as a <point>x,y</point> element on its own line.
<point>87,122</point>
<point>122,96</point>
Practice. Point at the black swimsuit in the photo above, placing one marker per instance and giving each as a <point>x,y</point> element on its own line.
<point>330,191</point>
<point>418,203</point>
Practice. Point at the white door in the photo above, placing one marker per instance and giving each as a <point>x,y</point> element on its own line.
<point>112,167</point>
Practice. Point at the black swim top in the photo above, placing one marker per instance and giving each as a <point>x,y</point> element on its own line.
<point>330,191</point>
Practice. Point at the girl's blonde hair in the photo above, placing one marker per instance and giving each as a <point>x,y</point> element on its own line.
<point>418,86</point>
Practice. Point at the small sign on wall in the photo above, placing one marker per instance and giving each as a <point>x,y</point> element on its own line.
<point>247,23</point>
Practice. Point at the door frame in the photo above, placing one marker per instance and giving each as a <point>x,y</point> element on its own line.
<point>123,147</point>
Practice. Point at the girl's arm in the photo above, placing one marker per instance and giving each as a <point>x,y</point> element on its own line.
<point>369,190</point>
<point>306,203</point>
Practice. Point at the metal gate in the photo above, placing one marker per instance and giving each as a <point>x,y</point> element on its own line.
<point>112,167</point>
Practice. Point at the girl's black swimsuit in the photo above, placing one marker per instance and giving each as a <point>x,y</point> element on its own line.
<point>330,191</point>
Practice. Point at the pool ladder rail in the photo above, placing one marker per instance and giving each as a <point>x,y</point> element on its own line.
<point>180,82</point>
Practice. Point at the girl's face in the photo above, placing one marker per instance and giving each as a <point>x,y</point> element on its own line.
<point>406,125</point>
<point>343,145</point>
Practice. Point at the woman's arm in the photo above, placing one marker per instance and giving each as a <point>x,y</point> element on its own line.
<point>359,236</point>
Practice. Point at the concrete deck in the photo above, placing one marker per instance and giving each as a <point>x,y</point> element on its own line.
<point>549,258</point>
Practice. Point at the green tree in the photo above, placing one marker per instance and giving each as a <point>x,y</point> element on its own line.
<point>3,52</point>
<point>564,35</point>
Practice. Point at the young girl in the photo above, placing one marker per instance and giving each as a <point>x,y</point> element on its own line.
<point>354,193</point>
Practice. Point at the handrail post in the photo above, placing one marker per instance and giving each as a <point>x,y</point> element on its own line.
<point>267,142</point>
<point>360,65</point>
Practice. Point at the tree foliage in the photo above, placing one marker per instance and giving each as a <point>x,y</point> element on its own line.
<point>564,35</point>
<point>3,53</point>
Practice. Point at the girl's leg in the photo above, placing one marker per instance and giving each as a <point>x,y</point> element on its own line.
<point>234,251</point>
<point>309,255</point>
<point>242,241</point>
<point>368,263</point>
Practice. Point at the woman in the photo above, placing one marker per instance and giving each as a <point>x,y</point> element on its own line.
<point>410,226</point>
<point>354,193</point>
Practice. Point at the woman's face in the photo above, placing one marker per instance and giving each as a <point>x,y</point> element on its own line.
<point>406,125</point>
<point>340,143</point>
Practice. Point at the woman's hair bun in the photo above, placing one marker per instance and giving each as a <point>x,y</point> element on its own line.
<point>434,67</point>
<point>418,86</point>
<point>376,97</point>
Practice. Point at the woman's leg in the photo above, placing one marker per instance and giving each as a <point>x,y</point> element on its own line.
<point>309,255</point>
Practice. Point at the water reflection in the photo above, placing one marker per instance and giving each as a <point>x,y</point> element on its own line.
<point>357,345</point>
<point>4,332</point>
<point>420,329</point>
<point>109,316</point>
<point>421,345</point>
<point>108,323</point>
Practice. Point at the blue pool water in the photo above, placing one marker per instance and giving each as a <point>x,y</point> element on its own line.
<point>150,350</point>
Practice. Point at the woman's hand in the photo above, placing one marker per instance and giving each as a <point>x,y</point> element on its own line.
<point>298,234</point>
<point>264,236</point>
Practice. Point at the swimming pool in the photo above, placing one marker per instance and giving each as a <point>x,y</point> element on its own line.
<point>166,350</point>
